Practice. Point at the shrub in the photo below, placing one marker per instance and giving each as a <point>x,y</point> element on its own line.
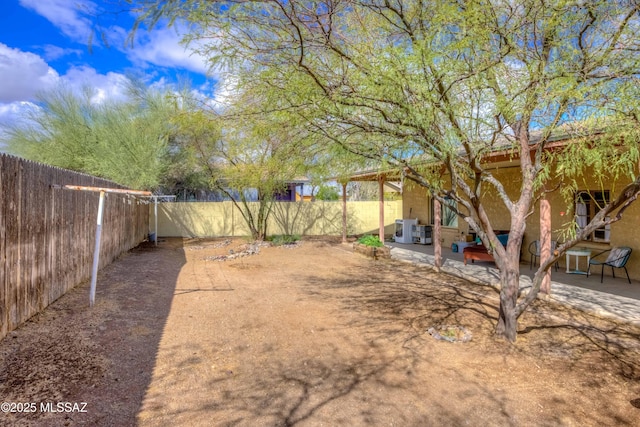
<point>328,193</point>
<point>369,240</point>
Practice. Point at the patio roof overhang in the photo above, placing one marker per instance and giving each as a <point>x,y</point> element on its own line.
<point>506,155</point>
<point>500,157</point>
<point>377,175</point>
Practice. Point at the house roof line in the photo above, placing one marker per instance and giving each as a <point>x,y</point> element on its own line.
<point>499,154</point>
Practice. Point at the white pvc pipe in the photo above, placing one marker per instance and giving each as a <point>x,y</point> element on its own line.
<point>96,251</point>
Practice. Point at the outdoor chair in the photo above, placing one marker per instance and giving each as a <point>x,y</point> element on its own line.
<point>534,251</point>
<point>617,258</point>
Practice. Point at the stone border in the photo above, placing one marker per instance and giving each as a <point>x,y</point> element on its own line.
<point>374,252</point>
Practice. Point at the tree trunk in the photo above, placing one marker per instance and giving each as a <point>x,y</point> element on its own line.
<point>437,228</point>
<point>545,242</point>
<point>509,287</point>
<point>261,226</point>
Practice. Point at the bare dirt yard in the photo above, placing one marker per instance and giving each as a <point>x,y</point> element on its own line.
<point>308,335</point>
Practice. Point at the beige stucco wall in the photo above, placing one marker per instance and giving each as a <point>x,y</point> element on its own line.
<point>214,219</point>
<point>416,204</point>
<point>626,232</point>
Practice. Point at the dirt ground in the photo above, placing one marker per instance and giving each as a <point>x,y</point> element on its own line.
<point>308,335</point>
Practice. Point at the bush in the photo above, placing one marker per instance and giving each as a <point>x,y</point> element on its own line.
<point>369,240</point>
<point>327,193</point>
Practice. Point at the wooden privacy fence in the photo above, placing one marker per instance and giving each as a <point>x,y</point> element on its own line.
<point>47,234</point>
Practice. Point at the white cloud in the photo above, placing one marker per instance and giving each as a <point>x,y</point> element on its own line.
<point>159,47</point>
<point>225,90</point>
<point>67,15</point>
<point>23,74</point>
<point>11,112</point>
<point>51,52</point>
<point>162,47</point>
<point>105,86</point>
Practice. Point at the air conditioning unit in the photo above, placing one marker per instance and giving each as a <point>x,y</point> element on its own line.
<point>404,229</point>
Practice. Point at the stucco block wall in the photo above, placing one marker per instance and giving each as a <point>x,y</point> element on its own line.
<point>416,203</point>
<point>213,219</point>
<point>195,220</point>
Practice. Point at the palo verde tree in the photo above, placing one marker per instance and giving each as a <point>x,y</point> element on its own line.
<point>436,88</point>
<point>124,141</point>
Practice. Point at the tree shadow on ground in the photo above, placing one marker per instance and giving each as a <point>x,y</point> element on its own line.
<point>368,362</point>
<point>374,364</point>
<point>383,291</point>
<point>610,346</point>
<point>379,367</point>
<point>417,297</point>
<point>430,298</point>
<point>333,388</point>
<point>367,366</point>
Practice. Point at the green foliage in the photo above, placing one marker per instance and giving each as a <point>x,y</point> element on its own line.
<point>243,152</point>
<point>125,141</point>
<point>370,240</point>
<point>327,193</point>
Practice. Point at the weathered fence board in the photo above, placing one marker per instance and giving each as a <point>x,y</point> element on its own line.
<point>47,234</point>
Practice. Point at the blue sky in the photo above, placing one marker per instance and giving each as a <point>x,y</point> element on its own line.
<point>44,43</point>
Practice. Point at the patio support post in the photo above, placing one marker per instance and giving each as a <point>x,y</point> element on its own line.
<point>437,244</point>
<point>545,242</point>
<point>381,203</point>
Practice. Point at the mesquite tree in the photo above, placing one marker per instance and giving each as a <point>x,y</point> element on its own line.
<point>434,88</point>
<point>247,156</point>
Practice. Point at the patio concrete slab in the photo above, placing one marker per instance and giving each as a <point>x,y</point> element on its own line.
<point>615,298</point>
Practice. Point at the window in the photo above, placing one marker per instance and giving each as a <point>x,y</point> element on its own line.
<point>449,217</point>
<point>588,204</point>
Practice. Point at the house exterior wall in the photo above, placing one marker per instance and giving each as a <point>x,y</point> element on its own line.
<point>625,232</point>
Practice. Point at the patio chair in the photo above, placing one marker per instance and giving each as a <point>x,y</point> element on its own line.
<point>617,258</point>
<point>534,251</point>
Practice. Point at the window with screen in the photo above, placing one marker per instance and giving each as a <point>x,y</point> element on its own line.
<point>588,204</point>
<point>449,217</point>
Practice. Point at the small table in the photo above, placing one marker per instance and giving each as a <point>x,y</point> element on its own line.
<point>578,253</point>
